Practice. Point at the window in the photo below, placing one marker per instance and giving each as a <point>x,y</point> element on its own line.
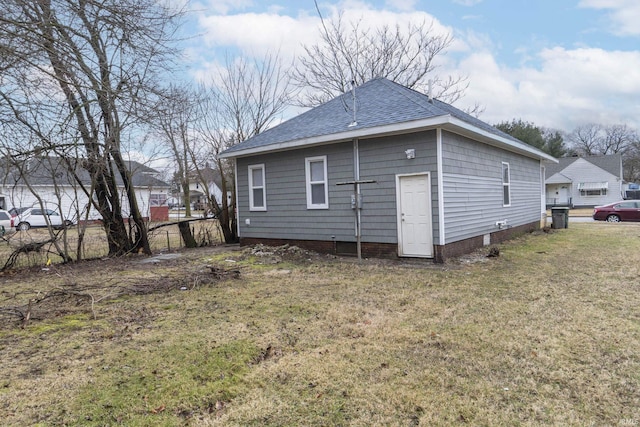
<point>601,192</point>
<point>626,205</point>
<point>317,185</point>
<point>506,185</point>
<point>257,189</point>
<point>157,199</point>
<point>593,188</point>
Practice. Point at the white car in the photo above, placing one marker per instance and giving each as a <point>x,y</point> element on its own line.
<point>36,217</point>
<point>6,222</point>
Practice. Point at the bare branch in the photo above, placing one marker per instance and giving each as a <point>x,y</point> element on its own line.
<point>244,99</point>
<point>353,53</point>
<point>82,72</point>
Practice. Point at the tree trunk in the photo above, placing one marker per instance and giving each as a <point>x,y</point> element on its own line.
<point>141,242</point>
<point>117,237</point>
<point>187,235</point>
<point>186,197</point>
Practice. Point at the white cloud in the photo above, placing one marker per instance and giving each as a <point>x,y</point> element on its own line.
<point>557,87</point>
<point>258,33</point>
<point>624,14</point>
<point>571,87</point>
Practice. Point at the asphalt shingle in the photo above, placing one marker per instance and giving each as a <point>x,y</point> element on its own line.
<point>609,163</point>
<point>378,102</point>
<point>47,170</point>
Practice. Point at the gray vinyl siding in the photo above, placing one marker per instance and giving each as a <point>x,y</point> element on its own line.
<point>381,159</point>
<point>287,216</point>
<point>472,183</point>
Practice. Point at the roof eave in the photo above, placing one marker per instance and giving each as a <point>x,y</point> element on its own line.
<point>466,129</point>
<point>349,135</point>
<point>446,121</point>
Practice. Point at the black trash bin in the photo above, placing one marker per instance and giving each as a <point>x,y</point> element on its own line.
<point>559,217</point>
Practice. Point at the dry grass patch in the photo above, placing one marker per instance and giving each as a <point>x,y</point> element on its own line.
<point>94,242</point>
<point>545,334</point>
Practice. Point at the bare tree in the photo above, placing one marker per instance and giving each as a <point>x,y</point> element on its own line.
<point>631,163</point>
<point>241,101</point>
<point>595,139</point>
<point>587,139</point>
<point>352,53</point>
<point>618,139</point>
<point>90,65</point>
<point>176,118</point>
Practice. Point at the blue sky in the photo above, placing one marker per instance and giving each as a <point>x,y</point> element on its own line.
<point>559,64</point>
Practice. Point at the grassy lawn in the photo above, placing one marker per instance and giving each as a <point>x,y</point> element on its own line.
<point>576,212</point>
<point>546,334</point>
<point>585,212</point>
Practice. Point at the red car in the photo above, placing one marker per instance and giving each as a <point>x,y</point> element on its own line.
<point>626,210</point>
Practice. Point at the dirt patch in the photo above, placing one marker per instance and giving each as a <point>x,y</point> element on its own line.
<point>38,294</point>
<point>277,254</point>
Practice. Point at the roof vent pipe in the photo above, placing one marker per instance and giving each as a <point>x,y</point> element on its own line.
<point>353,95</point>
<point>430,91</point>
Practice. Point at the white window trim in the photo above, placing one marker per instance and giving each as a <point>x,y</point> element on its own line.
<point>307,167</point>
<point>252,206</point>
<point>506,184</point>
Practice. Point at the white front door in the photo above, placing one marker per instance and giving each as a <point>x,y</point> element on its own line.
<point>563,194</point>
<point>415,237</point>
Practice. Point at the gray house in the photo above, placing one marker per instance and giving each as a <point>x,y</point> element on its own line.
<point>585,181</point>
<point>388,171</point>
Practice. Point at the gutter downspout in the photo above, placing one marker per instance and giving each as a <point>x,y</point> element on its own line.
<point>441,231</point>
<point>235,178</point>
<point>356,170</point>
<point>543,197</point>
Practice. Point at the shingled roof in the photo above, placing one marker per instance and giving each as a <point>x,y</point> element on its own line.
<point>44,170</point>
<point>610,163</point>
<point>382,108</point>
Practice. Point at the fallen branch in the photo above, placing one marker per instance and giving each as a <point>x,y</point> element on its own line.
<point>167,224</point>
<point>220,273</point>
<point>25,249</point>
<point>72,297</point>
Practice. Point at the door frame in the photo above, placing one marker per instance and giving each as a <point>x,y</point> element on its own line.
<point>399,214</point>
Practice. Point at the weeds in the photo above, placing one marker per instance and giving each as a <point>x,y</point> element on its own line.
<point>544,334</point>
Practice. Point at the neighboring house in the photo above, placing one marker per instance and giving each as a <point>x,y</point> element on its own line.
<point>584,181</point>
<point>435,181</point>
<point>51,180</point>
<point>203,182</point>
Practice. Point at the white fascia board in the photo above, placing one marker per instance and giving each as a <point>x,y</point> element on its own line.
<point>446,121</point>
<point>396,128</point>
